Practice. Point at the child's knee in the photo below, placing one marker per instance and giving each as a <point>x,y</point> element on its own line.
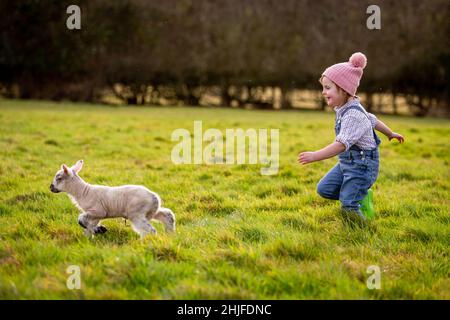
<point>321,190</point>
<point>325,191</point>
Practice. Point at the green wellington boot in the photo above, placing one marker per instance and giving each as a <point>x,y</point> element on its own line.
<point>367,205</point>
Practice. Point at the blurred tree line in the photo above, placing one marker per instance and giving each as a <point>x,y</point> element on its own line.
<point>144,51</point>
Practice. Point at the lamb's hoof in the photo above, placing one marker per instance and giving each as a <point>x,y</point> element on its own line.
<point>100,229</point>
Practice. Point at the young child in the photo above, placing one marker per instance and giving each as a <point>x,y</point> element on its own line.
<point>356,142</point>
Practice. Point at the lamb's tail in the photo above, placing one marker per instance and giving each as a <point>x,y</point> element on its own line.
<point>167,217</point>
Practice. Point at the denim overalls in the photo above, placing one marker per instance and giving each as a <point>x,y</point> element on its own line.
<point>356,171</point>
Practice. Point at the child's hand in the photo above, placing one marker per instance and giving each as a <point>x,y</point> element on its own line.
<point>397,136</point>
<point>306,157</point>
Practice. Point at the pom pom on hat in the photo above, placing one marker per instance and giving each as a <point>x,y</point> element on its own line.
<point>358,60</point>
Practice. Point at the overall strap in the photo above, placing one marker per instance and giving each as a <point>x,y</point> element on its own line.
<point>356,107</point>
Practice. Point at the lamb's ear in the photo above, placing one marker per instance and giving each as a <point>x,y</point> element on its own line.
<point>77,167</point>
<point>66,169</point>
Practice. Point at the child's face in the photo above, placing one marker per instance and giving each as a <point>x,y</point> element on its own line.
<point>332,94</point>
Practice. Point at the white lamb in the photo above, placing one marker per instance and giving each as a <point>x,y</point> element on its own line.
<point>136,203</point>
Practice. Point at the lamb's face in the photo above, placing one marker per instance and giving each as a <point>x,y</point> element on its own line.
<point>65,176</point>
<point>60,181</point>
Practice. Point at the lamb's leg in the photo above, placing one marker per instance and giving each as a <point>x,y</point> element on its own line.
<point>141,225</point>
<point>90,225</point>
<point>167,217</point>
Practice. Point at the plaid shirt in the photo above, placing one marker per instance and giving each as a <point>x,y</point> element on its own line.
<point>356,127</point>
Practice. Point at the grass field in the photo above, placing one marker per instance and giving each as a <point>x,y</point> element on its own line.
<point>240,235</point>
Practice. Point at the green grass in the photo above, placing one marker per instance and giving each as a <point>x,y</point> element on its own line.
<point>240,235</point>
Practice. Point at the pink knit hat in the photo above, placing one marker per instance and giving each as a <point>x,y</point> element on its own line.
<point>347,74</point>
